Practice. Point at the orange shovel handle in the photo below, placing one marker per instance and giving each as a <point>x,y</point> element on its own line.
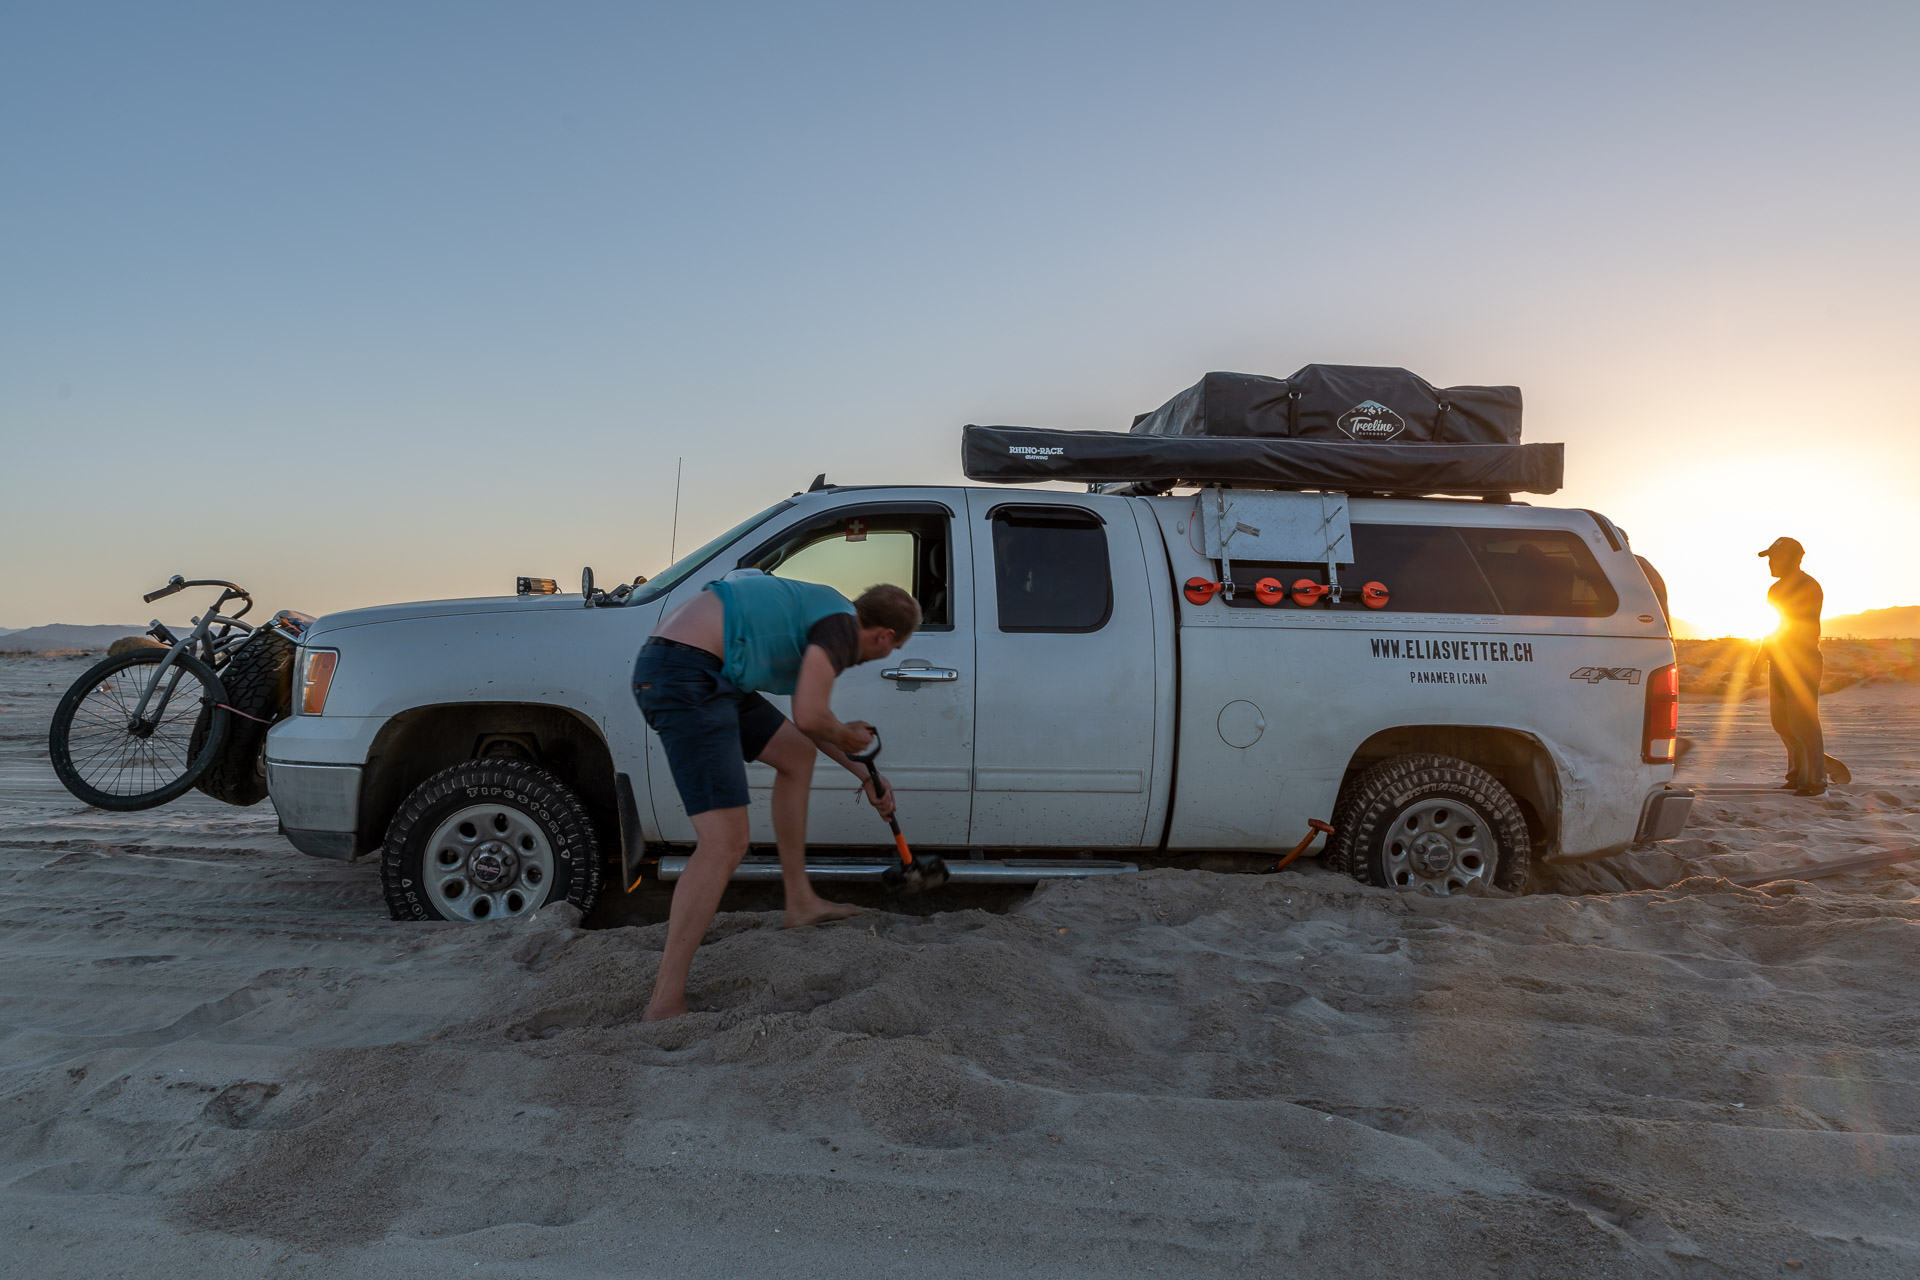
<point>1314,827</point>
<point>899,836</point>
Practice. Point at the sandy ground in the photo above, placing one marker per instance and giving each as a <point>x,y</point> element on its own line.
<point>217,1057</point>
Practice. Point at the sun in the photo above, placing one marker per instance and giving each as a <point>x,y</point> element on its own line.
<point>1705,617</point>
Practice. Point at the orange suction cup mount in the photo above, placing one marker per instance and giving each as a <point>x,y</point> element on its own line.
<point>1199,590</point>
<point>1307,593</point>
<point>1374,595</point>
<point>1268,591</point>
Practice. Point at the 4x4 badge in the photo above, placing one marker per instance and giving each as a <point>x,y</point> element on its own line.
<point>1371,420</point>
<point>1594,675</point>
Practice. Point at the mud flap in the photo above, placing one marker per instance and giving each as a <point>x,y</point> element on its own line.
<point>633,846</point>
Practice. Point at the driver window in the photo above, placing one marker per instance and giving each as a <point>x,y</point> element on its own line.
<point>851,552</point>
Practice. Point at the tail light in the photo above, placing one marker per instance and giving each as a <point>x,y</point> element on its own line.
<point>1663,715</point>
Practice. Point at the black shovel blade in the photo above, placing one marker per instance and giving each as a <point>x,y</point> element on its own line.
<point>927,872</point>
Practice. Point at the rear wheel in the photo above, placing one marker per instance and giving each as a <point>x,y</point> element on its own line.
<point>110,758</point>
<point>1432,824</point>
<point>489,839</point>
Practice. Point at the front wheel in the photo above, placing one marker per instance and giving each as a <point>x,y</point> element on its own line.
<point>1431,824</point>
<point>489,839</point>
<point>112,758</point>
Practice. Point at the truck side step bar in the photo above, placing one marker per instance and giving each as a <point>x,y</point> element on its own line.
<point>963,870</point>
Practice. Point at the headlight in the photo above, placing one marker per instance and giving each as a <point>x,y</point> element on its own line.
<point>316,677</point>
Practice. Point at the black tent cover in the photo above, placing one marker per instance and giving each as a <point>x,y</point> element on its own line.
<point>1348,427</point>
<point>1349,403</point>
<point>1022,455</point>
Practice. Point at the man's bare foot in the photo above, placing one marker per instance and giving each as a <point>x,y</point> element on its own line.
<point>819,911</point>
<point>661,1010</point>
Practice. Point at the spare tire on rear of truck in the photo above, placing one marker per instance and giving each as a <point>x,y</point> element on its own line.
<point>259,684</point>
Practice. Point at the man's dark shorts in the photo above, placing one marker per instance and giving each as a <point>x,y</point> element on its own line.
<point>708,728</point>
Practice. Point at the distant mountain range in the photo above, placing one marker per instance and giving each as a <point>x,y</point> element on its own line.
<point>1876,624</point>
<point>1902,623</point>
<point>64,635</point>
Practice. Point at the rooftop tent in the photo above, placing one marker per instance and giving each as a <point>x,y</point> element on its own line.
<point>1345,427</point>
<point>1347,403</point>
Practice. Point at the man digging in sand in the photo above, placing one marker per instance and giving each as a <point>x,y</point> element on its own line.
<point>698,682</point>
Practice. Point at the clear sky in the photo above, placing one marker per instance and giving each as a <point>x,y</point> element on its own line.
<point>367,302</point>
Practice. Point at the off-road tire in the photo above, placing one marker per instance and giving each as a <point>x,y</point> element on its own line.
<point>259,683</point>
<point>527,788</point>
<point>1374,800</point>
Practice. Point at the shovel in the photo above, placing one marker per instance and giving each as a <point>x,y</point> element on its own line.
<point>910,875</point>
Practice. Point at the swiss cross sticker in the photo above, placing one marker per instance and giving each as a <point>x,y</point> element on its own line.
<point>856,531</point>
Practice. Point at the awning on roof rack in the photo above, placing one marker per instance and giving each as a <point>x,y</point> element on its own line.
<point>1022,455</point>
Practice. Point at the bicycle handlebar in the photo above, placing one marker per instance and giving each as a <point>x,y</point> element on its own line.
<point>177,583</point>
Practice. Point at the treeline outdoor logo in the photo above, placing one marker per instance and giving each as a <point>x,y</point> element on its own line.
<point>1037,450</point>
<point>1371,420</point>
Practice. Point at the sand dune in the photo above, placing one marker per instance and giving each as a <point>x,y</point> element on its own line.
<point>220,1058</point>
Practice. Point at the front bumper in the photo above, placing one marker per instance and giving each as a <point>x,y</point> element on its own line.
<point>1665,814</point>
<point>319,805</point>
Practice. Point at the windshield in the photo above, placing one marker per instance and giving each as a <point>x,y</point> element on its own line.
<point>686,566</point>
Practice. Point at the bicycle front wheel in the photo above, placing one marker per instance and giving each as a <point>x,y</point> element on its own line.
<point>113,759</point>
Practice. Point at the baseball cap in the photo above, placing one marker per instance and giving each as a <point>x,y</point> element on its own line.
<point>1787,546</point>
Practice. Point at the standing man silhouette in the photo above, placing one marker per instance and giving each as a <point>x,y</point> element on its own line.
<point>1794,667</point>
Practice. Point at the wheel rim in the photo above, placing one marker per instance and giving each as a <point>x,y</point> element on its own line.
<point>116,756</point>
<point>1439,847</point>
<point>487,862</point>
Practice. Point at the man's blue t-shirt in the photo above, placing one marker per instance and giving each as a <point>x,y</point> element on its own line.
<point>768,621</point>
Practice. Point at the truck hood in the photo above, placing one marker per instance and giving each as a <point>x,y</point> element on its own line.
<point>443,609</point>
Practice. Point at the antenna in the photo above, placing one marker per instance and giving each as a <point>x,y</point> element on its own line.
<point>673,543</point>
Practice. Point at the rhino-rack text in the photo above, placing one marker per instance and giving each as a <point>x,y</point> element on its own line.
<point>1452,650</point>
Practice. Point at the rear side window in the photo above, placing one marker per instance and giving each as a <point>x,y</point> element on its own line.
<point>1050,570</point>
<point>1542,571</point>
<point>1450,569</point>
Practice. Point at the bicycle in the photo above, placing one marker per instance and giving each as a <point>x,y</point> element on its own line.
<point>143,727</point>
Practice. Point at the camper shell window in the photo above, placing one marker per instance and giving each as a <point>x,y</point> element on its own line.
<point>1453,569</point>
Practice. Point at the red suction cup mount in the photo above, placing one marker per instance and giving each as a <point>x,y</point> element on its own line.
<point>1199,590</point>
<point>1308,593</point>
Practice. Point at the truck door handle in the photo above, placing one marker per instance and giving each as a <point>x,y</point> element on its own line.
<point>920,673</point>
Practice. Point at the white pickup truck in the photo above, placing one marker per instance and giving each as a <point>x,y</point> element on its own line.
<point>1501,693</point>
